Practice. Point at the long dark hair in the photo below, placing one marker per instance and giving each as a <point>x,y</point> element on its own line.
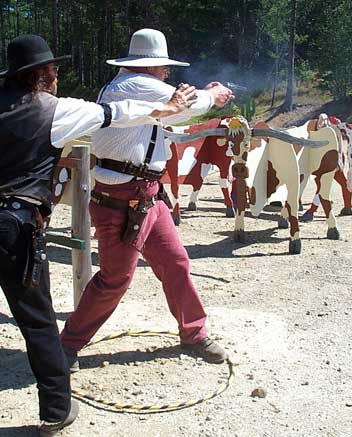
<point>30,82</point>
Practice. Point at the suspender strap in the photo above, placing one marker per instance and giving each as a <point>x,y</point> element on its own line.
<point>151,146</point>
<point>102,92</point>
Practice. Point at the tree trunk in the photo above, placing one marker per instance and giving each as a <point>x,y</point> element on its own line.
<point>248,34</point>
<point>17,18</point>
<point>55,24</point>
<point>276,74</point>
<point>288,103</point>
<point>2,33</point>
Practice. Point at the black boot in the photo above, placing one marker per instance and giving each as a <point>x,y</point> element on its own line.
<point>72,359</point>
<point>48,429</point>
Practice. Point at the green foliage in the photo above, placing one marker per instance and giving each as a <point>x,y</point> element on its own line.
<point>248,108</point>
<point>70,85</point>
<point>222,39</point>
<point>275,15</point>
<point>304,72</point>
<point>332,52</point>
<point>229,110</point>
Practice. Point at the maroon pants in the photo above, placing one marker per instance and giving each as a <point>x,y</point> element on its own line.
<point>162,249</point>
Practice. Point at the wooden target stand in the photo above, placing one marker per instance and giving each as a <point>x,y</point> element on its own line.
<point>76,192</point>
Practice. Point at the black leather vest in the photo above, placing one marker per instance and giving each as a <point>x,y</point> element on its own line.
<point>27,158</point>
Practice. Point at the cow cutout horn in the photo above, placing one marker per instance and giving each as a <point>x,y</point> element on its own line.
<point>186,138</point>
<point>179,138</point>
<point>287,138</point>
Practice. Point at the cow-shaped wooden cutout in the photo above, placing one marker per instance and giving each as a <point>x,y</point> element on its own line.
<point>346,129</point>
<point>189,163</point>
<point>275,164</point>
<point>343,131</point>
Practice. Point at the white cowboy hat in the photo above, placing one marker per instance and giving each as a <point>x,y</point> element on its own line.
<point>148,48</point>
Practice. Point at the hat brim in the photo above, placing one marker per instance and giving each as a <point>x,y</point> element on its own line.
<point>9,73</point>
<point>135,61</point>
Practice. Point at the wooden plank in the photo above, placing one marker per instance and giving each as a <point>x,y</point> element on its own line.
<point>81,259</point>
<point>65,241</point>
<point>68,162</point>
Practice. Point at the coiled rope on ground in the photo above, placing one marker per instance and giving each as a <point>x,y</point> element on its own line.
<point>138,408</point>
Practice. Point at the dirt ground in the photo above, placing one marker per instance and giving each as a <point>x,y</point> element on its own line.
<point>284,319</point>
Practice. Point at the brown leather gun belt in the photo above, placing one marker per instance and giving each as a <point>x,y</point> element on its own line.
<point>127,167</point>
<point>110,202</point>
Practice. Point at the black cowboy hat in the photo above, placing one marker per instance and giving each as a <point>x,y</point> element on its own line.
<point>27,52</point>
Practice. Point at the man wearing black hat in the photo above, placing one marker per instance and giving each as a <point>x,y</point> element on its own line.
<point>34,126</point>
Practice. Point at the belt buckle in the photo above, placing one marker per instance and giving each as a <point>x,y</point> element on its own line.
<point>133,203</point>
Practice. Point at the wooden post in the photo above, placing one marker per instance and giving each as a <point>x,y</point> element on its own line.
<point>81,259</point>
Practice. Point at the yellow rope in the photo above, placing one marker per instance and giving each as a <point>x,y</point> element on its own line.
<point>135,408</point>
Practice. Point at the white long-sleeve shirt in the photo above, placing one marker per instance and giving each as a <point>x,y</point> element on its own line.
<point>131,144</point>
<point>76,117</point>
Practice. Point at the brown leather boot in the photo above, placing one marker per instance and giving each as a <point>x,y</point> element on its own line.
<point>48,429</point>
<point>206,349</point>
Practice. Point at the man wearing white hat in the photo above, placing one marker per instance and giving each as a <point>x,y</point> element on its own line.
<point>126,208</point>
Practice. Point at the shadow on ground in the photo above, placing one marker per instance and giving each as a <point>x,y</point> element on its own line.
<point>122,358</point>
<point>227,247</point>
<point>15,372</point>
<point>24,431</point>
<point>4,319</point>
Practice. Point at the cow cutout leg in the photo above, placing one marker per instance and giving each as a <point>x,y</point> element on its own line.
<point>289,213</point>
<point>308,216</point>
<point>349,171</point>
<point>176,215</point>
<point>172,172</point>
<point>326,181</point>
<point>295,246</point>
<point>202,170</point>
<point>224,186</point>
<point>283,219</point>
<point>300,205</point>
<point>239,233</point>
<point>346,211</point>
<point>192,205</point>
<point>346,194</point>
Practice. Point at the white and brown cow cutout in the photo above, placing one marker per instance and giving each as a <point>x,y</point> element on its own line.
<point>344,132</point>
<point>189,163</point>
<point>274,164</point>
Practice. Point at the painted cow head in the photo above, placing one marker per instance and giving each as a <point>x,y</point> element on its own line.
<point>239,135</point>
